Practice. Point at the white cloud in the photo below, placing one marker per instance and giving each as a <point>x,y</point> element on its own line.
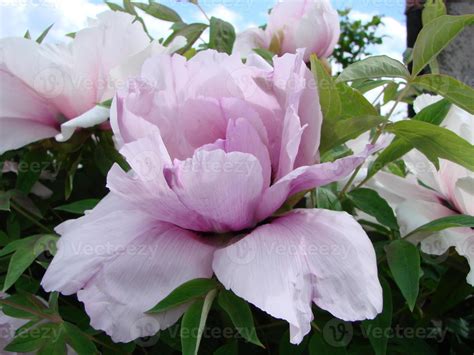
<point>67,15</point>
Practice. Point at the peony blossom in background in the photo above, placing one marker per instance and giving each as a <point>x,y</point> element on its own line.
<point>292,24</point>
<point>216,148</point>
<point>48,89</point>
<point>442,193</point>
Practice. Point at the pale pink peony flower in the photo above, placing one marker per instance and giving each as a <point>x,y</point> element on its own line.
<point>449,191</point>
<point>216,147</point>
<point>44,86</point>
<point>293,24</point>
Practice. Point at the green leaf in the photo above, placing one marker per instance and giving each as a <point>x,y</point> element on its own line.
<point>354,103</point>
<point>240,314</point>
<point>374,67</point>
<point>5,197</point>
<point>404,262</point>
<point>34,338</point>
<point>347,129</point>
<point>328,94</point>
<point>435,142</point>
<point>370,202</point>
<point>185,293</point>
<point>27,35</point>
<point>114,7</point>
<point>44,34</point>
<point>78,340</point>
<point>194,322</point>
<point>433,9</point>
<point>221,35</point>
<point>327,199</point>
<point>364,86</point>
<point>24,306</point>
<point>56,345</point>
<point>435,36</point>
<point>78,207</point>
<point>265,54</point>
<point>231,348</point>
<point>452,290</point>
<point>440,224</point>
<point>159,11</point>
<point>30,168</point>
<point>382,322</point>
<point>25,252</point>
<point>319,346</point>
<point>191,32</point>
<point>434,114</point>
<point>390,92</point>
<point>454,90</point>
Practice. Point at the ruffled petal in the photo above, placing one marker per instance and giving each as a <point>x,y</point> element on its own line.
<point>121,263</point>
<point>306,256</point>
<point>146,187</point>
<point>222,187</point>
<point>308,177</point>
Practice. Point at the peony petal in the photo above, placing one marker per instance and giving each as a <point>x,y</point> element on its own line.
<point>243,137</point>
<point>222,187</point>
<point>395,189</point>
<point>122,263</point>
<point>93,117</point>
<point>16,133</point>
<point>146,187</point>
<point>248,40</point>
<point>308,177</point>
<point>414,213</point>
<point>306,256</point>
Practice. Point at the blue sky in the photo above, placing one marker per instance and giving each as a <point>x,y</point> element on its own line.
<point>16,16</point>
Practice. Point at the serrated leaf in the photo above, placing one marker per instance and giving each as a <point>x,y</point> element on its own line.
<point>185,293</point>
<point>435,142</point>
<point>240,314</point>
<point>370,202</point>
<point>404,262</point>
<point>374,67</point>
<point>193,324</point>
<point>445,223</point>
<point>454,90</point>
<point>435,36</point>
<point>78,207</point>
<point>221,35</point>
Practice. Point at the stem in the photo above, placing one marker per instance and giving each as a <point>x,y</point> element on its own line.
<point>30,217</point>
<point>52,318</point>
<point>203,12</point>
<point>374,140</point>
